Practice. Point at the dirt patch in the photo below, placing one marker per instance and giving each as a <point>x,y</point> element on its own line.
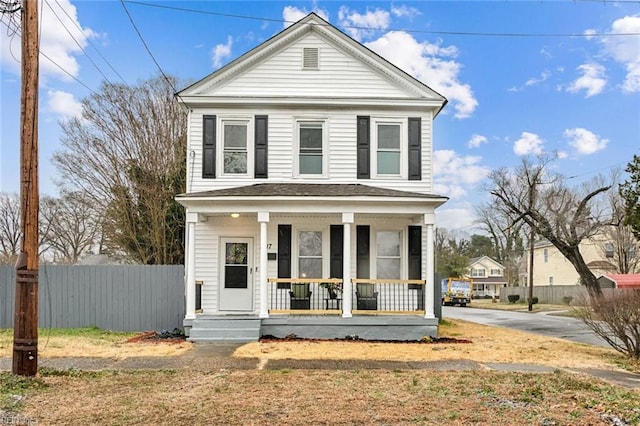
<point>175,337</point>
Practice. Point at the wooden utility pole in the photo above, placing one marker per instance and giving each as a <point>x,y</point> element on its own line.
<point>25,324</point>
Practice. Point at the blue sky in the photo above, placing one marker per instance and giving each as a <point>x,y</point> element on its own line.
<point>521,77</point>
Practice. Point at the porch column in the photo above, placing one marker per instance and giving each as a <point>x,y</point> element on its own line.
<point>190,279</point>
<point>263,219</point>
<point>347,220</point>
<point>429,308</point>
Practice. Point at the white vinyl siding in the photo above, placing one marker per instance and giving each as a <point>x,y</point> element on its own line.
<point>339,152</point>
<point>338,75</point>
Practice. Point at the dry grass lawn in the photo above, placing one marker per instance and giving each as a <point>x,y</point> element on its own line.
<point>490,344</point>
<point>325,397</point>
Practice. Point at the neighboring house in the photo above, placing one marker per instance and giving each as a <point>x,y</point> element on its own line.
<point>628,281</point>
<point>551,268</point>
<point>488,276</point>
<point>310,167</point>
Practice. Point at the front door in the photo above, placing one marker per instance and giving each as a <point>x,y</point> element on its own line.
<point>236,274</point>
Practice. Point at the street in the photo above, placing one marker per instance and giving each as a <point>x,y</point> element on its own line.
<point>541,323</point>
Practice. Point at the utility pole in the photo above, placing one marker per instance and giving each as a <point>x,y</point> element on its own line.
<point>25,324</point>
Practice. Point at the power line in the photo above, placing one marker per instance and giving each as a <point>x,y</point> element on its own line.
<point>144,43</point>
<point>78,44</point>
<point>17,33</point>
<point>88,40</point>
<point>460,33</point>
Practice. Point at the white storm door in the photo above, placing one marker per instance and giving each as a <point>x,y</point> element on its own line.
<point>236,274</point>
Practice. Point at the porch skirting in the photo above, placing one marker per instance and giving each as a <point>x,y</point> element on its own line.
<point>364,327</point>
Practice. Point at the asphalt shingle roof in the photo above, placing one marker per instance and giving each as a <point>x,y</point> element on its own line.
<point>307,190</point>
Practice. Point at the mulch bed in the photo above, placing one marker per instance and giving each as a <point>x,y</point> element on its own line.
<point>356,339</point>
<point>176,336</point>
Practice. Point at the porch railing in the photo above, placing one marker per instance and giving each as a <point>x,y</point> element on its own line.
<point>312,296</point>
<point>388,296</point>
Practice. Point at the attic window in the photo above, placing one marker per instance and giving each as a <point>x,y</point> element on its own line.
<point>310,58</point>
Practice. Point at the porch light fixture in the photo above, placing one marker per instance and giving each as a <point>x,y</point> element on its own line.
<point>235,215</point>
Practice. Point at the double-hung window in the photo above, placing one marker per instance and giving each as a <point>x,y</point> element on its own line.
<point>311,147</point>
<point>235,147</point>
<point>388,255</point>
<point>389,140</point>
<point>310,254</point>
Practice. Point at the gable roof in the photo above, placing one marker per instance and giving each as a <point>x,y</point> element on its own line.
<point>475,260</point>
<point>312,23</point>
<point>624,280</point>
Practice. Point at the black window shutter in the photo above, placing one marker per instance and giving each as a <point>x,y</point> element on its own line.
<point>363,146</point>
<point>362,251</point>
<point>336,250</point>
<point>415,263</point>
<point>415,252</point>
<point>261,146</point>
<point>415,148</point>
<point>209,146</point>
<point>284,254</point>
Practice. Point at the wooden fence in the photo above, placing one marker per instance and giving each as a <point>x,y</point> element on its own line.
<point>111,297</point>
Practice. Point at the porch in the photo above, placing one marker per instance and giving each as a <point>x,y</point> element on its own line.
<point>368,309</point>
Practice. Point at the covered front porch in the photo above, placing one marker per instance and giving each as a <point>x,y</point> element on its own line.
<point>312,265</point>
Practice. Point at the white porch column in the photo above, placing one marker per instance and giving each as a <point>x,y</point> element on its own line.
<point>347,220</point>
<point>429,302</point>
<point>263,219</point>
<point>190,279</point>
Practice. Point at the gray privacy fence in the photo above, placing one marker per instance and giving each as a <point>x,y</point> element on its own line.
<point>111,297</point>
<point>548,294</point>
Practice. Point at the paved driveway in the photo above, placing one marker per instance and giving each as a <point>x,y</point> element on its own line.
<point>540,323</point>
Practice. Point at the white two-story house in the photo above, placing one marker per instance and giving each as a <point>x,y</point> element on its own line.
<point>309,170</point>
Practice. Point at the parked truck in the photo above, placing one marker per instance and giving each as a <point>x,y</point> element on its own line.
<point>456,291</point>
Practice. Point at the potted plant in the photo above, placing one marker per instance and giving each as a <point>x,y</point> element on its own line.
<point>333,288</point>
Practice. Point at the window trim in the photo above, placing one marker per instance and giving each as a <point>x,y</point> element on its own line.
<point>325,146</point>
<point>373,248</point>
<point>402,123</point>
<point>295,253</point>
<point>250,149</point>
<point>475,275</point>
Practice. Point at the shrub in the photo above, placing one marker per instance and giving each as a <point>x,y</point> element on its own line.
<point>534,300</point>
<point>567,300</point>
<point>513,298</point>
<point>615,317</point>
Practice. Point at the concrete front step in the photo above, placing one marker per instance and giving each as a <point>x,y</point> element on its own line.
<point>225,329</point>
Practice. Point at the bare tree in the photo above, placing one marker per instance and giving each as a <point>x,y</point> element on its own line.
<point>127,156</point>
<point>507,237</point>
<point>617,243</point>
<point>70,226</point>
<point>565,216</point>
<point>10,232</point>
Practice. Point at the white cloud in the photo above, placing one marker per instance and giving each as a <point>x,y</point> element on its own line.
<point>64,104</point>
<point>403,10</point>
<point>593,80</point>
<point>585,141</point>
<point>476,141</point>
<point>221,52</point>
<point>430,63</point>
<point>626,50</point>
<point>543,76</point>
<point>589,33</point>
<point>561,154</point>
<point>55,41</point>
<point>529,143</point>
<point>453,174</point>
<point>292,14</point>
<point>363,25</point>
<point>458,216</point>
